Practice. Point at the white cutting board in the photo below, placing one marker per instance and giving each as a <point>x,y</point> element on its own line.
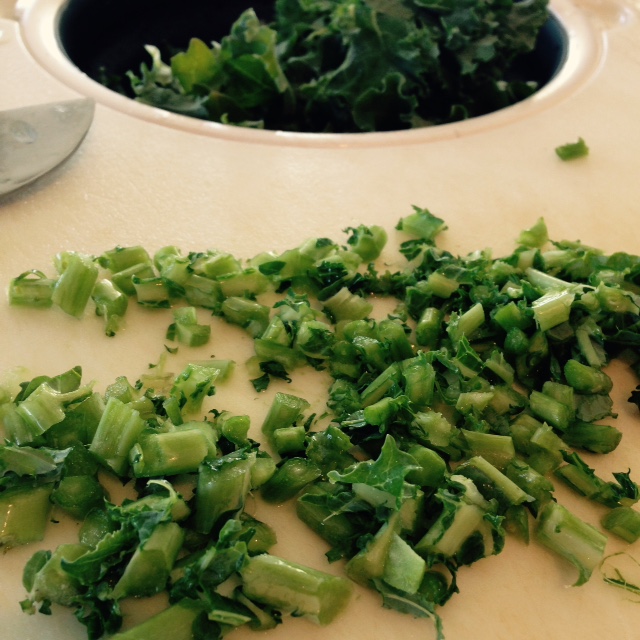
<point>136,180</point>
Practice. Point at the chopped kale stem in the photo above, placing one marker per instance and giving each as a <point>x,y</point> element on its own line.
<point>450,421</point>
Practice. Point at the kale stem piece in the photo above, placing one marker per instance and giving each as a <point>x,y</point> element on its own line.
<point>293,588</point>
<point>24,514</point>
<point>572,538</point>
<point>174,623</point>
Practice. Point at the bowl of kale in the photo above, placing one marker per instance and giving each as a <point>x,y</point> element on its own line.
<point>318,66</point>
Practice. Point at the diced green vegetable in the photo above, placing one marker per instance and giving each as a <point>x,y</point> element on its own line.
<point>424,461</point>
<point>572,150</point>
<point>118,430</point>
<point>572,538</point>
<point>24,514</point>
<point>292,588</point>
<point>72,290</point>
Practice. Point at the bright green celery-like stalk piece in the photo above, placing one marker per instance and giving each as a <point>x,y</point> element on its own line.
<point>429,327</point>
<point>285,410</point>
<point>148,569</point>
<point>174,623</point>
<point>431,467</point>
<point>246,282</point>
<point>186,329</point>
<point>174,270</point>
<point>572,538</point>
<point>497,363</point>
<point>422,224</point>
<point>378,388</point>
<point>32,289</point>
<point>249,314</point>
<point>464,516</point>
<point>473,402</point>
<point>616,300</point>
<point>419,381</point>
<point>269,351</point>
<point>623,522</point>
<point>77,495</point>
<point>433,429</point>
<point>121,258</point>
<point>111,304</point>
<point>224,367</point>
<point>371,351</point>
<point>582,479</point>
<point>24,514</point>
<point>545,282</point>
<point>555,413</point>
<point>118,430</point>
<point>546,450</point>
<point>492,482</point>
<point>292,588</point>
<point>288,440</point>
<point>168,453</point>
<point>367,242</point>
<point>315,339</point>
<point>512,316</point>
<point>45,577</point>
<point>293,475</point>
<point>234,428</point>
<point>589,338</point>
<point>497,449</point>
<point>369,563</point>
<point>466,323</point>
<point>78,275</point>
<point>536,236</point>
<point>277,332</point>
<point>586,379</point>
<point>404,569</point>
<point>552,308</point>
<point>192,385</point>
<point>124,280</point>
<point>79,425</point>
<point>383,411</point>
<point>597,438</point>
<point>572,150</point>
<point>200,291</point>
<point>39,411</point>
<point>393,334</point>
<point>539,487</point>
<point>151,291</point>
<point>441,285</point>
<point>217,265</point>
<point>345,305</point>
<point>263,469</point>
<point>223,485</point>
<point>562,393</point>
<point>123,390</point>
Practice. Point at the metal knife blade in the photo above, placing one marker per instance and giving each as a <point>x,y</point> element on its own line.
<point>35,139</point>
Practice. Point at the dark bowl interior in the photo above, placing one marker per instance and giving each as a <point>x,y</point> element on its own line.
<point>106,38</point>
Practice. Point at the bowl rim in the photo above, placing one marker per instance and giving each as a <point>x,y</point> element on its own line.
<point>585,53</point>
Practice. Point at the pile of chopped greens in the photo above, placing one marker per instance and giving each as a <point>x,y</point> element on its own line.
<point>347,66</point>
<point>451,422</point>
